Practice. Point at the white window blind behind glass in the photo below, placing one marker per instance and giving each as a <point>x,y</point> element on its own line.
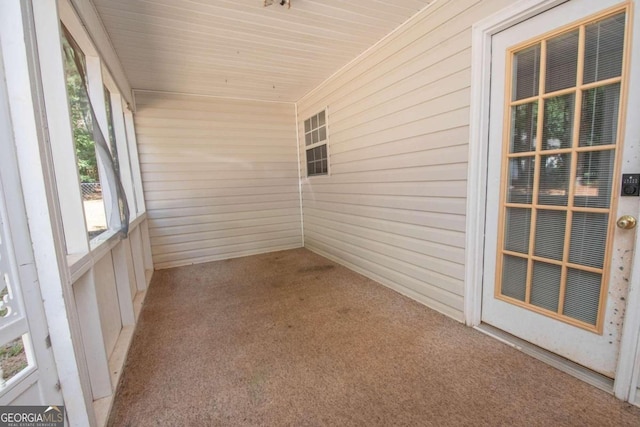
<point>560,182</point>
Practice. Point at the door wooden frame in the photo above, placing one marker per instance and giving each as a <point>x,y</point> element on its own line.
<point>627,375</point>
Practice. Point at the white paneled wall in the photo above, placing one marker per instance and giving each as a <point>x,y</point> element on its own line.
<point>220,177</point>
<point>393,207</point>
<point>109,289</point>
<point>108,305</point>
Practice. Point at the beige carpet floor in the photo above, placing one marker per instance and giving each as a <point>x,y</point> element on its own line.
<point>292,339</point>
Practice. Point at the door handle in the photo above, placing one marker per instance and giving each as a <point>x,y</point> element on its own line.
<point>626,222</point>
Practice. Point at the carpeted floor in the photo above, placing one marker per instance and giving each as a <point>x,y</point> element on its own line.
<point>292,339</point>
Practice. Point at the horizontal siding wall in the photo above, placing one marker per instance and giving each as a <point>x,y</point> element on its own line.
<point>393,207</point>
<point>220,177</point>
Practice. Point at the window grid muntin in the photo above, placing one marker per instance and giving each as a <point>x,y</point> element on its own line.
<point>315,128</point>
<point>317,160</point>
<point>537,153</point>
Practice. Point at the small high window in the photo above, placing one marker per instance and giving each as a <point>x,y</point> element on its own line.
<point>315,139</point>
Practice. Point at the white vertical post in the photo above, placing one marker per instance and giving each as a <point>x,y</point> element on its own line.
<point>35,154</point>
<point>96,92</point>
<point>27,284</point>
<point>123,152</point>
<point>122,270</point>
<point>135,161</point>
<point>84,290</point>
<point>137,250</point>
<point>131,269</point>
<point>146,247</point>
<point>60,130</point>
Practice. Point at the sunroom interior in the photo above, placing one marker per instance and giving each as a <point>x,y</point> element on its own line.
<point>294,171</point>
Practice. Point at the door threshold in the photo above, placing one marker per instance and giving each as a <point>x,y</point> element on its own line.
<point>565,365</point>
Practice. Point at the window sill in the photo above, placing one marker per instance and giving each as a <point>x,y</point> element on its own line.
<point>103,238</point>
<point>314,177</point>
<point>99,246</point>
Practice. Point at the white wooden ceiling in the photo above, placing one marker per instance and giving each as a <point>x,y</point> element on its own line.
<point>239,48</point>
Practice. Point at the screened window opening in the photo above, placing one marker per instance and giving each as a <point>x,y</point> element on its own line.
<point>83,137</point>
<point>558,168</point>
<point>315,139</point>
<point>104,204</point>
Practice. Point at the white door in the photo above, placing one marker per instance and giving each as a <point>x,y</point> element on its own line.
<point>27,369</point>
<point>556,265</point>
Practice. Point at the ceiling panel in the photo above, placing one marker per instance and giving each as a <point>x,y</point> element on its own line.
<point>239,48</point>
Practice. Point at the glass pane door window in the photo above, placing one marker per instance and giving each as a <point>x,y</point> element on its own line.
<point>561,135</point>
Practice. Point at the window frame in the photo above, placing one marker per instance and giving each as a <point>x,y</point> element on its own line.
<point>93,71</point>
<point>79,247</point>
<point>317,144</point>
<point>123,142</point>
<point>575,150</point>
